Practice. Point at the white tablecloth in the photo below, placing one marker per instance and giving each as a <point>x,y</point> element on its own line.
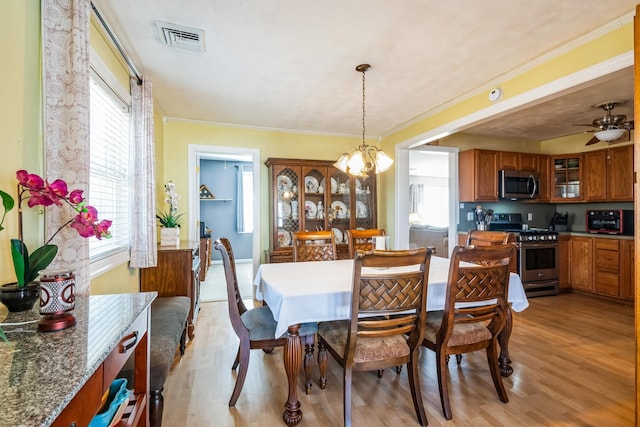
<point>321,291</point>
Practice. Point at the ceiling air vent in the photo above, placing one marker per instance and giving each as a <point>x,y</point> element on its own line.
<point>181,37</point>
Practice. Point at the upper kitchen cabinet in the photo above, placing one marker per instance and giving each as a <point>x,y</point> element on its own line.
<point>609,174</point>
<point>518,161</point>
<point>566,173</point>
<point>314,195</point>
<point>544,165</point>
<point>478,173</point>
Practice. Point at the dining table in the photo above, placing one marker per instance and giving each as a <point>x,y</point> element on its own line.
<point>320,291</point>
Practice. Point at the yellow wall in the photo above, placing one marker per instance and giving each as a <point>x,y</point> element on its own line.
<point>609,45</point>
<point>179,134</point>
<point>19,116</point>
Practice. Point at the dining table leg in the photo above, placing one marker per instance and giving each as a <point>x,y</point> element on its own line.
<point>503,339</point>
<point>292,360</point>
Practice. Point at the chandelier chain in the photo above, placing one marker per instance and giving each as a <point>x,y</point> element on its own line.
<point>363,109</point>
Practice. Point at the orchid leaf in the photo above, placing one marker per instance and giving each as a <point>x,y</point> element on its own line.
<point>39,260</point>
<point>4,337</point>
<point>7,204</point>
<point>20,256</point>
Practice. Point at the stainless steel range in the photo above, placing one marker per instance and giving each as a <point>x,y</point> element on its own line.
<point>538,254</point>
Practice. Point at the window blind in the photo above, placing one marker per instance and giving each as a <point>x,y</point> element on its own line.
<point>110,172</point>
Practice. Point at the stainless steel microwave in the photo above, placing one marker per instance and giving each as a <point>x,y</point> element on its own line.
<point>515,185</point>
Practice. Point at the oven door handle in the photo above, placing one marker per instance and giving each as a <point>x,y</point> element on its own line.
<point>527,245</point>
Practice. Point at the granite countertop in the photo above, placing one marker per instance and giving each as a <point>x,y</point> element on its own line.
<point>41,372</point>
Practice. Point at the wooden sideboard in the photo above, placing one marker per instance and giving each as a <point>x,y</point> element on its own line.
<point>177,273</point>
<point>59,378</point>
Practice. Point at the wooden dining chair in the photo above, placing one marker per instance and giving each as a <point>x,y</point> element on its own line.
<point>386,324</point>
<point>488,238</point>
<point>254,327</point>
<point>362,240</point>
<point>314,246</point>
<point>463,329</point>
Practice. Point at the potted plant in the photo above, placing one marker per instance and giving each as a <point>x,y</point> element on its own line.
<point>170,220</point>
<point>39,192</point>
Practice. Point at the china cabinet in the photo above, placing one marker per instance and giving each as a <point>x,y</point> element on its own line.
<point>314,195</point>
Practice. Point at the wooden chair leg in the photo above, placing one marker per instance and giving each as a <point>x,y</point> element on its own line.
<point>183,340</point>
<point>416,393</point>
<point>443,385</point>
<point>348,374</point>
<point>494,367</point>
<point>236,361</point>
<point>322,364</point>
<point>309,341</point>
<point>243,354</point>
<point>156,407</point>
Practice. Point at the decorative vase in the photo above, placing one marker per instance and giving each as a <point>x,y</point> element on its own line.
<point>57,298</point>
<point>170,236</point>
<point>19,298</point>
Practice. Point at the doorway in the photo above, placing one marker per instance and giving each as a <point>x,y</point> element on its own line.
<point>250,158</point>
<point>429,215</point>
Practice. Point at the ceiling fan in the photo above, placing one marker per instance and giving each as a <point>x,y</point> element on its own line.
<point>610,128</point>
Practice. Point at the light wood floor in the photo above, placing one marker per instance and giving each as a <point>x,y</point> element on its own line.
<point>573,360</point>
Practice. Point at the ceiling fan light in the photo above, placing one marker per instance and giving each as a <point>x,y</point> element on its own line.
<point>609,134</point>
<point>383,162</point>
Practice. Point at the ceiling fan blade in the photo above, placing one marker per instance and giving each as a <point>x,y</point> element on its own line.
<point>593,140</point>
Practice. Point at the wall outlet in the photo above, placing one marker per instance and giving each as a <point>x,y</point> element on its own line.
<point>529,216</point>
<point>469,216</point>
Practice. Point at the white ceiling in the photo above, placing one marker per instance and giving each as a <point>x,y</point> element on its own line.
<point>290,64</point>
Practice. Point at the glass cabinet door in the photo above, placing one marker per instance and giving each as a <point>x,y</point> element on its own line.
<point>287,206</point>
<point>340,206</point>
<point>364,202</point>
<point>314,209</point>
<point>566,173</point>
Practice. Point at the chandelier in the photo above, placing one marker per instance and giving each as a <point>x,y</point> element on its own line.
<point>361,160</point>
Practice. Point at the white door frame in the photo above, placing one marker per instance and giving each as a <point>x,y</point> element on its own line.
<point>214,152</point>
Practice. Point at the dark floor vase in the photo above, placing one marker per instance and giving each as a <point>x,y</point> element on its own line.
<point>19,299</point>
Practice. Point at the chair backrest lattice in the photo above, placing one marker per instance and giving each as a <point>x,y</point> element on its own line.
<point>314,246</point>
<point>392,302</point>
<point>362,240</point>
<point>484,285</point>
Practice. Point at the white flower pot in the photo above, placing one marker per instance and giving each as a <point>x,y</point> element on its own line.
<point>170,236</point>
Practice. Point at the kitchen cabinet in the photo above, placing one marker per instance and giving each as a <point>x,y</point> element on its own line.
<point>177,273</point>
<point>606,266</point>
<point>601,266</point>
<point>314,195</point>
<point>478,175</point>
<point>608,174</point>
<point>544,163</point>
<point>627,270</point>
<point>581,263</point>
<point>518,161</point>
<point>566,173</point>
<point>564,242</point>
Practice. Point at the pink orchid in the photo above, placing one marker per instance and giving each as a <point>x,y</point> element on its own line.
<point>30,180</point>
<point>76,197</point>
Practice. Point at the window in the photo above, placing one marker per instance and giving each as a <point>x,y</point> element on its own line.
<point>247,200</point>
<point>109,180</point>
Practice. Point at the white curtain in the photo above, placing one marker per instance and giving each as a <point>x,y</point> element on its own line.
<point>65,69</point>
<point>239,199</point>
<point>416,201</point>
<point>144,251</point>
